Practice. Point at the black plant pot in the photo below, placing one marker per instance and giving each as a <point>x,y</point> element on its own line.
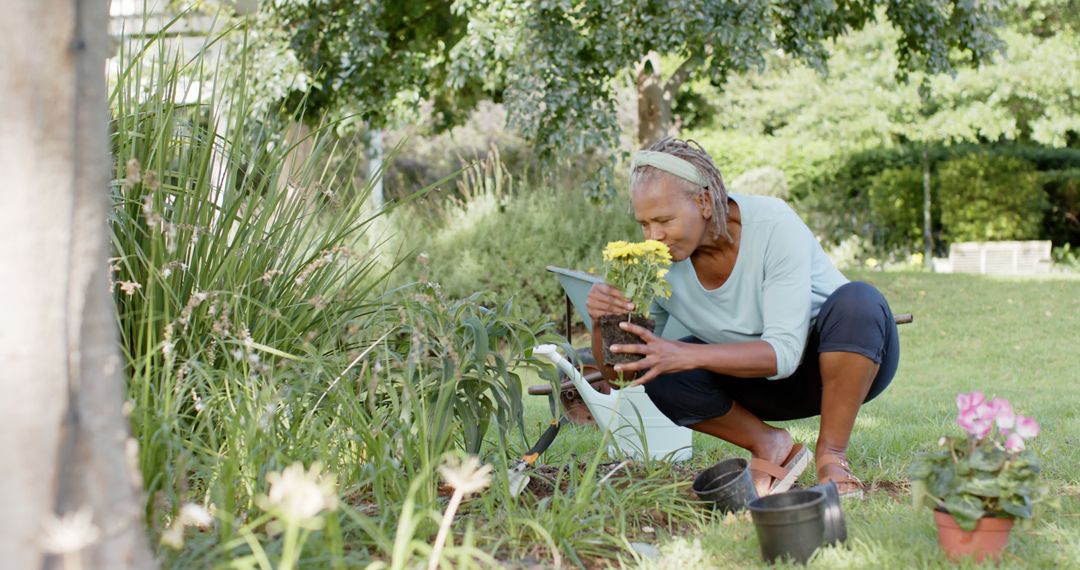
<point>727,485</point>
<point>612,333</point>
<point>789,525</point>
<point>835,528</point>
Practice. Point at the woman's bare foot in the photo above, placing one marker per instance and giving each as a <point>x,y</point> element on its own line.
<point>774,449</point>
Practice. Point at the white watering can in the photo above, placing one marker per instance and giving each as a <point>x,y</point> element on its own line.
<point>636,425</point>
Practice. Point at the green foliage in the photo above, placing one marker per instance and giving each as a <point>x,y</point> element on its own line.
<point>986,197</point>
<point>257,333</point>
<point>877,193</point>
<point>456,357</point>
<point>638,270</point>
<point>1066,256</point>
<point>833,135</point>
<point>504,245</point>
<point>1062,223</point>
<point>972,478</point>
<point>557,65</point>
<point>226,283</point>
<point>766,181</point>
<point>369,58</point>
<point>895,196</point>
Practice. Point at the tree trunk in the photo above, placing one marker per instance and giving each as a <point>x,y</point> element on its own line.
<point>299,146</point>
<point>928,236</point>
<point>63,444</point>
<point>656,97</point>
<point>376,155</point>
<point>654,113</point>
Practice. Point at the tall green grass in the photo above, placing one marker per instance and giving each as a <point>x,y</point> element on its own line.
<point>260,330</point>
<point>265,324</point>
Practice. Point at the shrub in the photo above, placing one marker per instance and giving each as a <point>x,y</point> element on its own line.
<point>504,245</point>
<point>1062,221</point>
<point>988,197</point>
<point>764,181</point>
<point>895,197</point>
<point>857,196</point>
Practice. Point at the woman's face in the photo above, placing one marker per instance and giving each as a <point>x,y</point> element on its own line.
<point>667,213</point>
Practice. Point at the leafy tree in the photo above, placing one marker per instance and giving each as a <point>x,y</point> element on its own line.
<point>557,63</point>
<point>807,123</point>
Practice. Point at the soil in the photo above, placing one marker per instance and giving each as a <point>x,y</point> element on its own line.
<point>612,334</point>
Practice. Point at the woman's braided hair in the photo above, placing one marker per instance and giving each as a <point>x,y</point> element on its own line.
<point>691,152</point>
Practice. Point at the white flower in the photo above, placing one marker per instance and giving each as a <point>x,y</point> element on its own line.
<point>468,476</point>
<point>173,537</point>
<point>190,515</point>
<point>195,515</point>
<point>129,287</point>
<point>299,495</point>
<point>71,533</point>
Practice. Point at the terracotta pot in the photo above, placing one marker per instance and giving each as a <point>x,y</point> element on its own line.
<point>612,333</point>
<point>989,538</point>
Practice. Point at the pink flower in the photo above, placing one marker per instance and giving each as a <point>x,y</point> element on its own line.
<point>1004,416</point>
<point>1014,443</point>
<point>1026,428</point>
<point>968,401</point>
<point>977,421</point>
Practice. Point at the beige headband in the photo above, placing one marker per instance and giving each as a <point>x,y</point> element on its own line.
<point>668,163</point>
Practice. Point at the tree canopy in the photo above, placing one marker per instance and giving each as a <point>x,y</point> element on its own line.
<point>790,117</point>
<point>556,64</point>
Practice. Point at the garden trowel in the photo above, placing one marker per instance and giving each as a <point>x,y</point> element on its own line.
<point>518,479</point>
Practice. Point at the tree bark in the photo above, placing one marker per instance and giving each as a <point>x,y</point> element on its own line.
<point>299,146</point>
<point>928,236</point>
<point>654,114</point>
<point>656,97</point>
<point>63,447</point>
<point>376,155</point>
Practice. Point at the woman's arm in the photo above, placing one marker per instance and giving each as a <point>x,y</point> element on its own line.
<point>754,359</point>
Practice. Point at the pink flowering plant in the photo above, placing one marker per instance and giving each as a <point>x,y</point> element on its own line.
<point>988,471</point>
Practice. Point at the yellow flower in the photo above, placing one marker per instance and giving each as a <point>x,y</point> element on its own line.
<point>638,269</point>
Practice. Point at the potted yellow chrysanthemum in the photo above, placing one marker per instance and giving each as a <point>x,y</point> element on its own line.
<point>638,270</point>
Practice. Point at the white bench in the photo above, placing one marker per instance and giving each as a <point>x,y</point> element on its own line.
<point>1000,257</point>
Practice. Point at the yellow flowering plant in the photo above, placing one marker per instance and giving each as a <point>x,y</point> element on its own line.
<point>638,270</point>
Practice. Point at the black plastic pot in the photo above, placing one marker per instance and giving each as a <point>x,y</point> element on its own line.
<point>835,528</point>
<point>789,525</point>
<point>726,485</point>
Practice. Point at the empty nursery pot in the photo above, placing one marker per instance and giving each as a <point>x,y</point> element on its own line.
<point>727,485</point>
<point>835,528</point>
<point>789,525</point>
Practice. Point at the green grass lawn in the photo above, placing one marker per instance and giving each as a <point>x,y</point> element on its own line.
<point>1014,338</point>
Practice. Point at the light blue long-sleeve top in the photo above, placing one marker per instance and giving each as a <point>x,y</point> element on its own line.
<point>780,279</point>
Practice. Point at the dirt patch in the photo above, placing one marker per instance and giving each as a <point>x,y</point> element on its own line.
<point>619,473</point>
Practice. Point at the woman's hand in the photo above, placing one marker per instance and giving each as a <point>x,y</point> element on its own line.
<point>661,356</point>
<point>604,299</point>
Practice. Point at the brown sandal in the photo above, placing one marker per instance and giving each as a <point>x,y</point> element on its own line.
<point>850,485</point>
<point>784,475</point>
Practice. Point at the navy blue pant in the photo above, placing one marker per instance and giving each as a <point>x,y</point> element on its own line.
<point>855,318</point>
